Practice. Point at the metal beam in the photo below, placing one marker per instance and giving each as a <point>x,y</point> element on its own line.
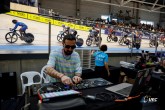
<point>157,8</point>
<point>127,6</point>
<point>121,3</point>
<point>126,2</point>
<point>147,3</point>
<point>154,5</point>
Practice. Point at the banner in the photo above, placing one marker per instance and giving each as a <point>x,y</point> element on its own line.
<point>43,19</point>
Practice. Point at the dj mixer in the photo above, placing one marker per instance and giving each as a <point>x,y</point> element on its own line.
<point>90,83</point>
<point>55,91</point>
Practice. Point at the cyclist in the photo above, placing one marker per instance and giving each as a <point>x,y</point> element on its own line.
<point>23,28</point>
<point>64,28</point>
<point>67,31</point>
<point>111,31</point>
<point>73,31</point>
<point>94,32</point>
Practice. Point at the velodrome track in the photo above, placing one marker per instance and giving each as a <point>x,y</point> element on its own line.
<point>40,44</point>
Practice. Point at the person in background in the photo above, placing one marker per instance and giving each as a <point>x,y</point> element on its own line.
<point>94,32</point>
<point>161,66</point>
<point>140,63</point>
<point>64,64</point>
<point>23,28</point>
<point>101,62</point>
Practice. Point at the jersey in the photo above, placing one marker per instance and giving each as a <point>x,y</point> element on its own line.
<point>23,26</point>
<point>100,58</point>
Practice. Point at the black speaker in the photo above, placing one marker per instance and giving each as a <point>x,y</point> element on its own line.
<point>8,85</point>
<point>4,6</point>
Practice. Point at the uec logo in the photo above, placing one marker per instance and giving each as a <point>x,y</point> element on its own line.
<point>148,99</point>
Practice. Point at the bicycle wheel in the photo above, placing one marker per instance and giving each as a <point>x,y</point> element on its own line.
<point>151,44</point>
<point>79,42</point>
<point>115,39</point>
<point>98,41</point>
<point>109,38</point>
<point>130,45</point>
<point>11,37</point>
<point>89,42</point>
<point>137,46</point>
<point>121,41</point>
<point>60,37</point>
<point>29,38</point>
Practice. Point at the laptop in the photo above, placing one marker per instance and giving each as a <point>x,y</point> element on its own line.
<point>127,89</point>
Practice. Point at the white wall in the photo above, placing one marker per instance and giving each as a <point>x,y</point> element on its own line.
<point>149,16</point>
<point>94,10</point>
<point>64,7</point>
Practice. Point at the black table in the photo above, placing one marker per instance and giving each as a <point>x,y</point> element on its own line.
<point>158,84</point>
<point>95,104</point>
<point>130,73</point>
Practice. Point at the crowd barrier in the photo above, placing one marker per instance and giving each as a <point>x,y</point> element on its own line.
<point>44,19</point>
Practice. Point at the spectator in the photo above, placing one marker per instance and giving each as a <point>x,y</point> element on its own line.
<point>101,62</point>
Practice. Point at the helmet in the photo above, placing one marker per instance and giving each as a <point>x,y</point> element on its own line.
<point>14,21</point>
<point>63,25</point>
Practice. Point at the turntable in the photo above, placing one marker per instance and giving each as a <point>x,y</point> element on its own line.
<point>89,83</point>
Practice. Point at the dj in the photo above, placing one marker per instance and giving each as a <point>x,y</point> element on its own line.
<point>64,64</point>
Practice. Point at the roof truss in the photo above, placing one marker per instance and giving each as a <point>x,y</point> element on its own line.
<point>148,5</point>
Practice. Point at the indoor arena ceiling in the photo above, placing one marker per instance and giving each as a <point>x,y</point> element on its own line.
<point>155,5</point>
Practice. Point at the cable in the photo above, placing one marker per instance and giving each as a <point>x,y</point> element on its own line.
<point>106,97</point>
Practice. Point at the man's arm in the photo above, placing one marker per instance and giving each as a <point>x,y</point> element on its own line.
<point>107,68</point>
<point>55,74</point>
<point>77,78</point>
<point>106,64</point>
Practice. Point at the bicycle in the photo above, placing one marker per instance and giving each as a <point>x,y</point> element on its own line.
<point>124,40</point>
<point>93,40</point>
<point>13,36</point>
<point>161,39</point>
<point>112,37</point>
<point>61,35</point>
<point>153,42</point>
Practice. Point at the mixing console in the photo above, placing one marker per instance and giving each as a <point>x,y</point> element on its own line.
<point>54,91</point>
<point>90,83</point>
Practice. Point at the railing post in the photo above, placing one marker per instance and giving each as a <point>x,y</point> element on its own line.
<point>49,41</point>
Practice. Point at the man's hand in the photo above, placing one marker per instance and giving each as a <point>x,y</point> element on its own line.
<point>76,79</point>
<point>66,80</point>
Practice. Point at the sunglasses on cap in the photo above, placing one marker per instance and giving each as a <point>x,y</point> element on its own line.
<point>68,46</point>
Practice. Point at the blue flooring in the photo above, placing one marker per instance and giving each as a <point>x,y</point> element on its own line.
<point>45,48</point>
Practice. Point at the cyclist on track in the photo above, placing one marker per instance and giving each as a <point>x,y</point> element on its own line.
<point>73,31</point>
<point>68,30</point>
<point>23,28</point>
<point>94,32</point>
<point>64,28</point>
